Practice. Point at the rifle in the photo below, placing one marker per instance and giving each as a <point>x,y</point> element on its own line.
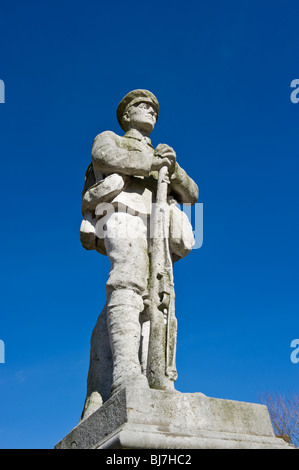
<point>161,370</point>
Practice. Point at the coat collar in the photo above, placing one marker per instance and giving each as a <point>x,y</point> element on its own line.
<point>134,134</point>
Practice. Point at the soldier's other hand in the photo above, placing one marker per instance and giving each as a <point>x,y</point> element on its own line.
<point>164,156</point>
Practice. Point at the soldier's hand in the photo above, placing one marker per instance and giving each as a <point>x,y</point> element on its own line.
<point>164,156</point>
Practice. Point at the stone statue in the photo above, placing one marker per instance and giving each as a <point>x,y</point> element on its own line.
<point>131,214</point>
<point>130,207</point>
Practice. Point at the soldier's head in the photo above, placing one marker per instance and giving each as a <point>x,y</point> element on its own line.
<point>139,110</point>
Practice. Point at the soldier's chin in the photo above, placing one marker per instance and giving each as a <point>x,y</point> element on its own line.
<point>147,126</point>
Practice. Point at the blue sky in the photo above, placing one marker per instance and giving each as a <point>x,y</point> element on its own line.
<point>221,72</point>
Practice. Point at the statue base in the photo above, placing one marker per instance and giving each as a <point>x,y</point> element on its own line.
<point>154,419</point>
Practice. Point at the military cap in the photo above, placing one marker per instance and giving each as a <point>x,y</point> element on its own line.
<point>134,97</point>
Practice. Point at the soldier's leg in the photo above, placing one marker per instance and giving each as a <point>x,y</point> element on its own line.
<point>126,246</point>
<point>124,308</point>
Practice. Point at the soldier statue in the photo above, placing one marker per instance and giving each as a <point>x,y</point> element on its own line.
<point>131,213</point>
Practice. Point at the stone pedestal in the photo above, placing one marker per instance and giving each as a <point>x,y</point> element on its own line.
<point>154,419</point>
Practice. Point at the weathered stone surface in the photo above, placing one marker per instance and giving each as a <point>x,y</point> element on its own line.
<point>130,209</point>
<point>152,419</point>
<point>131,401</point>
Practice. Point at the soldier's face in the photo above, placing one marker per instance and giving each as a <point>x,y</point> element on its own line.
<point>141,117</point>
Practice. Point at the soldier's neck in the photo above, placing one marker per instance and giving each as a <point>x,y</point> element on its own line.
<point>138,132</point>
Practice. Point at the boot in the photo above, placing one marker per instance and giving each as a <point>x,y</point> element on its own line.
<point>124,307</point>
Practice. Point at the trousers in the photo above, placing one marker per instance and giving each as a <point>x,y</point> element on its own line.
<point>126,244</point>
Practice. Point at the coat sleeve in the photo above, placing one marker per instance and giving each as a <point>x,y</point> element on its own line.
<point>109,157</point>
<point>183,187</point>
